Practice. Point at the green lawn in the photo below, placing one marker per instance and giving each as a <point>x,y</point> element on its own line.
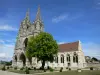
<point>23,72</point>
<point>86,72</point>
<point>74,73</point>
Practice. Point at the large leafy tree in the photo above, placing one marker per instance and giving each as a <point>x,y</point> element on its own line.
<point>43,47</point>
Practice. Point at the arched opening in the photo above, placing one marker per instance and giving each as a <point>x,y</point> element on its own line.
<point>75,58</point>
<point>30,60</point>
<point>68,58</point>
<point>62,58</point>
<point>23,58</point>
<point>25,43</point>
<point>15,58</point>
<point>56,59</point>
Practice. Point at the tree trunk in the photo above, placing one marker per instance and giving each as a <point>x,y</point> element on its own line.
<point>43,64</point>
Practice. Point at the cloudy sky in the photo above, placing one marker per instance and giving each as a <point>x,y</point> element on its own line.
<point>66,20</point>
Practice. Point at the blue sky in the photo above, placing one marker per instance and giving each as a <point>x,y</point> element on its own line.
<point>66,20</point>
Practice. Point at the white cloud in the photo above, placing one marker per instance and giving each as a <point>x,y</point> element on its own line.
<point>67,17</point>
<point>91,49</point>
<point>9,41</point>
<point>7,28</point>
<point>6,51</point>
<point>61,42</point>
<point>5,57</point>
<point>1,41</point>
<point>59,18</point>
<point>2,55</point>
<point>98,3</point>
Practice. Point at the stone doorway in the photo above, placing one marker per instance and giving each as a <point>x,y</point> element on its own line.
<point>23,59</point>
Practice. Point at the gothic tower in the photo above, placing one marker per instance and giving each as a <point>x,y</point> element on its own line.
<point>26,29</point>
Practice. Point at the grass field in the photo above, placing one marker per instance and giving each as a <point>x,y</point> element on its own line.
<point>86,72</point>
<point>23,72</point>
<point>75,73</point>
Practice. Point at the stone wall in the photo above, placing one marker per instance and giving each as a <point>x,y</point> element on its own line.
<point>93,64</point>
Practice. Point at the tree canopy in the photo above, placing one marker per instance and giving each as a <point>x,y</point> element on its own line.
<point>43,46</point>
<point>95,59</point>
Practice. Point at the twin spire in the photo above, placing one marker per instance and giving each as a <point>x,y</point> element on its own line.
<point>38,16</point>
<point>27,14</point>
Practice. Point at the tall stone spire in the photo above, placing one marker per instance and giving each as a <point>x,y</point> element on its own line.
<point>27,14</point>
<point>38,23</point>
<point>38,16</point>
<point>26,19</point>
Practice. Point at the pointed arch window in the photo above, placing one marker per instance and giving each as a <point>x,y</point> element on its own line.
<point>68,58</point>
<point>75,58</point>
<point>56,59</point>
<point>62,58</point>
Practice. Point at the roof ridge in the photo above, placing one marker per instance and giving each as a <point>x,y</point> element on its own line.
<point>72,46</point>
<point>70,42</point>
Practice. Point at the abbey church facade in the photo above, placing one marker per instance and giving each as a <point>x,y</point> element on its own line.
<point>69,55</point>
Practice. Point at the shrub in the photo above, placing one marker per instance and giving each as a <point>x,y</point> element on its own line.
<point>44,70</point>
<point>29,68</point>
<point>69,69</point>
<point>66,67</point>
<point>40,68</point>
<point>3,69</point>
<point>7,63</point>
<point>15,68</point>
<point>78,69</point>
<point>61,69</point>
<point>91,68</point>
<point>7,67</point>
<point>22,68</point>
<point>34,68</point>
<point>27,71</point>
<point>51,69</point>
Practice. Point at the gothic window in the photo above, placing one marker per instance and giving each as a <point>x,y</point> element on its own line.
<point>62,58</point>
<point>75,58</point>
<point>40,26</point>
<point>68,58</point>
<point>25,43</point>
<point>15,58</point>
<point>27,27</point>
<point>35,26</point>
<point>56,59</point>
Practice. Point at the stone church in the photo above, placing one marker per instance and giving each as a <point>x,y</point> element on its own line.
<point>69,55</point>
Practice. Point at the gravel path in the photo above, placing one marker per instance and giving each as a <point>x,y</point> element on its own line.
<point>9,73</point>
